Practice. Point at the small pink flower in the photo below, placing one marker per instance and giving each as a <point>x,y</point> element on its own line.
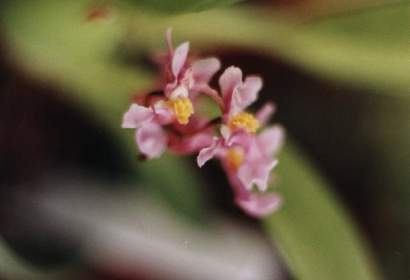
<point>247,157</point>
<point>175,107</point>
<point>185,80</point>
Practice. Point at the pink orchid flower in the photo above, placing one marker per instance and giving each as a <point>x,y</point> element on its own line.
<point>175,107</point>
<point>239,130</point>
<point>247,158</point>
<point>184,80</point>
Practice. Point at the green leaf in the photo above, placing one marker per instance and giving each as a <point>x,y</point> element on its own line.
<point>366,49</point>
<point>319,8</point>
<point>312,230</point>
<point>181,6</point>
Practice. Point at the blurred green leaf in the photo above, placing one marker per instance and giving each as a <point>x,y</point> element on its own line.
<point>179,6</point>
<point>368,48</point>
<point>312,230</point>
<point>319,8</point>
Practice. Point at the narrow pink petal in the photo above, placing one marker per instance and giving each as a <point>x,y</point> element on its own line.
<point>265,113</point>
<point>247,93</point>
<point>259,205</point>
<point>151,140</point>
<point>136,116</point>
<point>168,39</point>
<point>271,140</point>
<point>204,69</point>
<point>229,80</point>
<point>208,153</point>
<point>179,58</point>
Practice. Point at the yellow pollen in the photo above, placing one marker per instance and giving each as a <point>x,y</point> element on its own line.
<point>244,121</point>
<point>183,109</point>
<point>235,157</point>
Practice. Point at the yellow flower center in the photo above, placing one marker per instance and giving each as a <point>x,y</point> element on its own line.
<point>235,157</point>
<point>183,109</point>
<point>244,121</point>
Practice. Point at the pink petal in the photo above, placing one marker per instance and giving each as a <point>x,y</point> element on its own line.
<point>247,93</point>
<point>136,116</point>
<point>168,39</point>
<point>271,140</point>
<point>208,153</point>
<point>265,113</point>
<point>229,80</point>
<point>254,153</point>
<point>239,138</point>
<point>187,80</point>
<point>179,58</point>
<point>163,114</point>
<point>204,69</point>
<point>192,144</point>
<point>250,173</point>
<point>259,205</point>
<point>151,140</point>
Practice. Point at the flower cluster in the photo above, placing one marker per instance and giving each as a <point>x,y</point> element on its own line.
<point>167,119</point>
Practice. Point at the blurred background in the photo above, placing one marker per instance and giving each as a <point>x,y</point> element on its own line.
<point>76,202</point>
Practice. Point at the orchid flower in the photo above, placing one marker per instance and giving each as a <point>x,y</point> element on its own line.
<point>252,157</point>
<point>247,158</point>
<point>175,107</point>
<point>185,80</point>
